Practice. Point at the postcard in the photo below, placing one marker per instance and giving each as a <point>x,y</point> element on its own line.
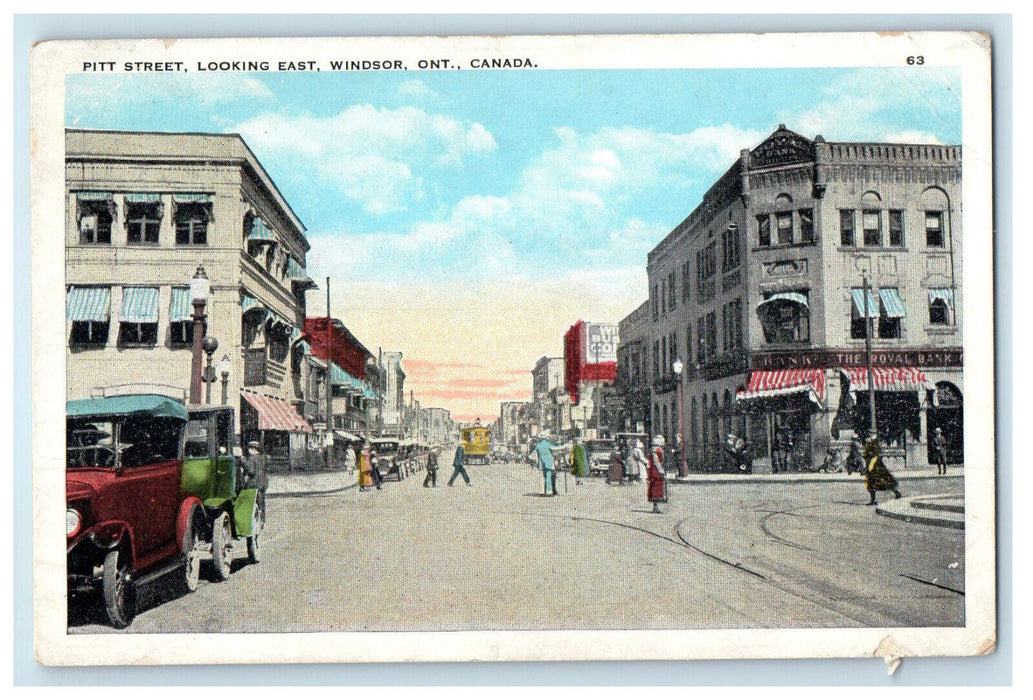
<point>513,348</point>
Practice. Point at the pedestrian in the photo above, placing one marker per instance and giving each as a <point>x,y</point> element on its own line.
<point>854,458</point>
<point>254,465</point>
<point>637,462</point>
<point>349,459</point>
<point>940,452</point>
<point>578,462</point>
<point>616,473</point>
<point>543,453</point>
<point>374,469</point>
<point>877,477</point>
<point>656,483</point>
<point>780,451</point>
<point>457,466</point>
<point>432,468</point>
<point>365,471</point>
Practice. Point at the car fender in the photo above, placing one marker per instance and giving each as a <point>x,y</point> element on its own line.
<point>243,505</point>
<point>183,518</point>
<point>106,535</point>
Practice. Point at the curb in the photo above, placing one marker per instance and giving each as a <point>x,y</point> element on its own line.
<point>293,494</point>
<point>922,516</point>
<point>801,478</point>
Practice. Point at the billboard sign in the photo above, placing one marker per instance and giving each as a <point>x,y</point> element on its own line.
<point>601,341</point>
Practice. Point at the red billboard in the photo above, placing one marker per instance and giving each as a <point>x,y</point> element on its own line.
<point>583,343</point>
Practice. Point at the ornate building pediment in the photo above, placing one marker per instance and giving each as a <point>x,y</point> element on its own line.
<point>783,147</point>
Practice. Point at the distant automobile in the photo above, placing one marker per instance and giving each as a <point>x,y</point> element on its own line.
<point>599,452</point>
<point>388,460</point>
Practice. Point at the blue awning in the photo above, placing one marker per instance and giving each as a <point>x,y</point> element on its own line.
<point>944,295</point>
<point>795,297</point>
<point>94,196</point>
<point>180,308</point>
<point>873,304</point>
<point>341,378</point>
<point>137,404</point>
<point>249,303</point>
<point>139,304</point>
<point>142,198</point>
<point>260,232</point>
<point>88,304</point>
<point>892,303</point>
<point>191,198</point>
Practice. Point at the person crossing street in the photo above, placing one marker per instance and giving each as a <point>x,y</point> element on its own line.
<point>432,468</point>
<point>457,466</point>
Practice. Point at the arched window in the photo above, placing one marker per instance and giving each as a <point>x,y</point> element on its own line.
<point>871,219</point>
<point>935,205</point>
<point>783,219</point>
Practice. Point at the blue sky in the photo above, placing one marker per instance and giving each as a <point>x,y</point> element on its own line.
<point>557,182</point>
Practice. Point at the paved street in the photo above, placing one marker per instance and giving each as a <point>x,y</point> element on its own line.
<point>497,555</point>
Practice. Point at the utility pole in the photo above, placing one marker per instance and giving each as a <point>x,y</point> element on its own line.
<point>868,360</point>
<point>329,381</point>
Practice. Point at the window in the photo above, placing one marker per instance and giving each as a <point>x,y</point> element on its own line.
<point>133,333</point>
<point>807,226</point>
<point>685,281</point>
<point>846,227</point>
<point>90,333</point>
<point>701,340</point>
<point>688,343</point>
<point>656,359</point>
<point>871,222</point>
<point>896,228</point>
<point>889,327</point>
<point>138,322</point>
<point>731,319</point>
<point>784,223</point>
<point>674,347</point>
<point>192,223</point>
<point>143,221</point>
<point>934,229</point>
<point>664,362</point>
<point>858,326</point>
<point>731,253</point>
<point>672,300</point>
<point>663,296</point>
<point>786,318</point>
<point>95,220</point>
<point>656,302</point>
<point>940,303</point>
<point>763,230</point>
<point>711,334</point>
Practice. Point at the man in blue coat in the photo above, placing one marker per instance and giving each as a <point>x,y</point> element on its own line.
<point>543,451</point>
<point>457,466</point>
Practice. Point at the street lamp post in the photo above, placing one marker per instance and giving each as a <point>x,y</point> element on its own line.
<point>868,360</point>
<point>223,368</point>
<point>683,467</point>
<point>200,289</point>
<point>209,345</point>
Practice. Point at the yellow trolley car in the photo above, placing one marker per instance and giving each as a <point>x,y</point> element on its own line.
<point>476,443</point>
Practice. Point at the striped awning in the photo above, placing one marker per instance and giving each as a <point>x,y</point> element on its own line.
<point>191,198</point>
<point>180,308</point>
<point>340,377</point>
<point>94,196</point>
<point>276,414</point>
<point>345,435</point>
<point>260,232</point>
<point>887,378</point>
<point>873,304</point>
<point>139,305</point>
<point>249,303</point>
<point>142,198</point>
<point>88,304</point>
<point>892,303</point>
<point>783,382</point>
<point>795,297</point>
<point>944,295</point>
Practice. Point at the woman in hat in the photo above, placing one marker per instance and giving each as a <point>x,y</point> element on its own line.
<point>876,476</point>
<point>656,484</point>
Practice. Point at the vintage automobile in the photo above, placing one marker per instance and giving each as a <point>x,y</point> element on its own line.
<point>128,521</point>
<point>234,509</point>
<point>599,451</point>
<point>388,460</point>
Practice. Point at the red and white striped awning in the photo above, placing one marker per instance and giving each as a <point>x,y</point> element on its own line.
<point>887,378</point>
<point>276,414</point>
<point>782,382</point>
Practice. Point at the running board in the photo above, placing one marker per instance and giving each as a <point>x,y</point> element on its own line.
<point>158,573</point>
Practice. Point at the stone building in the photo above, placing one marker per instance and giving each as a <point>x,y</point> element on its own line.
<point>393,407</point>
<point>760,293</point>
<point>143,212</point>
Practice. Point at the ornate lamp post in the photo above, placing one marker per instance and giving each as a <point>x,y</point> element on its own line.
<point>200,290</point>
<point>209,345</point>
<point>683,468</point>
<point>223,368</point>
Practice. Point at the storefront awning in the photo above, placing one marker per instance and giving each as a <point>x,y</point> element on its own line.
<point>344,435</point>
<point>887,378</point>
<point>873,304</point>
<point>892,303</point>
<point>88,304</point>
<point>795,297</point>
<point>782,382</point>
<point>276,414</point>
<point>180,308</point>
<point>139,305</point>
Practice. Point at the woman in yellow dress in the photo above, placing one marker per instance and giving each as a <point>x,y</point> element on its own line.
<point>876,476</point>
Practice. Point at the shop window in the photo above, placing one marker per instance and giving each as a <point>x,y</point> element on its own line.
<point>95,222</point>
<point>763,230</point>
<point>143,221</point>
<point>871,222</point>
<point>133,333</point>
<point>806,225</point>
<point>846,227</point>
<point>192,223</point>
<point>934,229</point>
<point>896,217</point>
<point>784,223</point>
<point>90,333</point>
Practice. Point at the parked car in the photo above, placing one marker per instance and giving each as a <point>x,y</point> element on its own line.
<point>127,520</point>
<point>234,508</point>
<point>388,462</point>
<point>599,451</point>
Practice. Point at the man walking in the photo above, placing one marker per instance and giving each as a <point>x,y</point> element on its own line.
<point>432,468</point>
<point>457,466</point>
<point>374,466</point>
<point>543,452</point>
<point>940,452</point>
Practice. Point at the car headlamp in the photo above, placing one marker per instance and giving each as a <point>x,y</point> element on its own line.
<point>72,521</point>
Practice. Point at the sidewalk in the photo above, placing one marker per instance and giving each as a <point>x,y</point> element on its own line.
<point>310,483</point>
<point>810,477</point>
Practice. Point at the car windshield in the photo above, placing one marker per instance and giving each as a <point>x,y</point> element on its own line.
<point>123,442</point>
<point>90,443</point>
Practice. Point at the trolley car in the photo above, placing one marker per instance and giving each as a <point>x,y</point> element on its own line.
<point>476,443</point>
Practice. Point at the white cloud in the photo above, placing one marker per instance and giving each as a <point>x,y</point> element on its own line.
<point>86,93</point>
<point>914,137</point>
<point>377,157</point>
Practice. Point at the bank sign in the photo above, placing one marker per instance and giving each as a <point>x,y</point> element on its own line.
<point>601,341</point>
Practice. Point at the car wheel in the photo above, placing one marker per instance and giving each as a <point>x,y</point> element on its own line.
<point>193,544</point>
<point>119,590</point>
<point>222,547</point>
<point>254,542</point>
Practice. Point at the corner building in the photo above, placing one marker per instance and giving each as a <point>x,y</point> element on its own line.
<point>759,292</point>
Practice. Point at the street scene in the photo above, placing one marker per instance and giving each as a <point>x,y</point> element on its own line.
<point>499,554</point>
<point>360,351</point>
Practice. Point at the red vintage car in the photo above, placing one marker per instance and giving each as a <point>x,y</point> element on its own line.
<point>128,520</point>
